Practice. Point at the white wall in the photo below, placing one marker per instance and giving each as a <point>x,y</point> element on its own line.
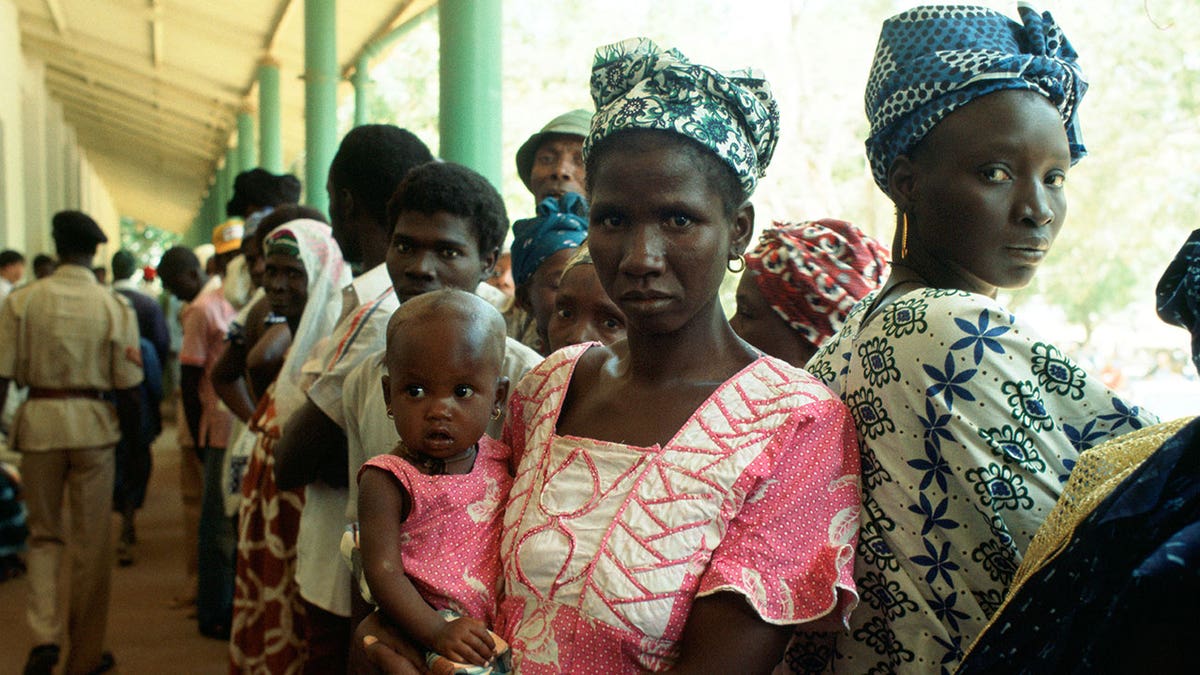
<point>12,196</point>
<point>43,169</point>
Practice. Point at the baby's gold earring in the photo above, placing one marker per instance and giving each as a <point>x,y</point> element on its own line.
<point>496,412</point>
<point>390,413</point>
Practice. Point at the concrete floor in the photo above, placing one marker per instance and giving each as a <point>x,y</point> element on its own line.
<point>144,634</point>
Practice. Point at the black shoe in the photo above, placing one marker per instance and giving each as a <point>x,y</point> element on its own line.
<point>124,555</point>
<point>107,663</point>
<point>42,660</point>
<point>215,631</point>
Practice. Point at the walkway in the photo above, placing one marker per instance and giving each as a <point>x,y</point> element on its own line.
<point>146,636</point>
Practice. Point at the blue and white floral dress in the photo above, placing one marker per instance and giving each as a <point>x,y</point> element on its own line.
<point>969,424</point>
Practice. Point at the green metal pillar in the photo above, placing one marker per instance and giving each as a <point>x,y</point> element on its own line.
<point>320,97</point>
<point>270,130</point>
<point>233,167</point>
<point>247,150</point>
<point>469,116</point>
<point>362,88</point>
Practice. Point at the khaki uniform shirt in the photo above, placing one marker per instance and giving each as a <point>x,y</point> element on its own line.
<point>68,332</point>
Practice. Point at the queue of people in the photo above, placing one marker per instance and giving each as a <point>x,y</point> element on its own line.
<point>873,466</point>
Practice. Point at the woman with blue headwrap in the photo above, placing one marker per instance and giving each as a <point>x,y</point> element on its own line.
<point>541,248</point>
<point>969,421</point>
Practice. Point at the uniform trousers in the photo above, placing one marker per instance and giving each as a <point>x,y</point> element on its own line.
<point>85,477</point>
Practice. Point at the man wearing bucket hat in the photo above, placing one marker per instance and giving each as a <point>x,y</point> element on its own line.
<point>550,162</point>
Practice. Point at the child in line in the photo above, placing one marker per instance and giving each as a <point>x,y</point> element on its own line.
<point>583,312</point>
<point>445,480</point>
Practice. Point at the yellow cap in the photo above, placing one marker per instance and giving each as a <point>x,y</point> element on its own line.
<point>228,236</point>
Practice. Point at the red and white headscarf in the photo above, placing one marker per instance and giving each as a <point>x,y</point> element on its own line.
<point>813,272</point>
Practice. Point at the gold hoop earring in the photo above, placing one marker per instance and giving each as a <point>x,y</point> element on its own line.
<point>736,263</point>
<point>496,412</point>
<point>903,235</point>
<point>390,414</point>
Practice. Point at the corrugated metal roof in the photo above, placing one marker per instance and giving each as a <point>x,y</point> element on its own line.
<point>153,87</point>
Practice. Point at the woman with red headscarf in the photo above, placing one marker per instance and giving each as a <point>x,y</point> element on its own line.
<point>800,283</point>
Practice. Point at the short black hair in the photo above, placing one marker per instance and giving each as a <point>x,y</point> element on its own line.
<point>261,188</point>
<point>123,265</point>
<point>721,176</point>
<point>10,257</point>
<point>42,259</point>
<point>457,190</point>
<point>176,260</point>
<point>371,162</point>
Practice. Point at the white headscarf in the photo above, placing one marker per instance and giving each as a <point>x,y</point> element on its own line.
<point>327,275</point>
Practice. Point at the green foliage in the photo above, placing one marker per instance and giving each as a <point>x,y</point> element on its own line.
<point>146,242</point>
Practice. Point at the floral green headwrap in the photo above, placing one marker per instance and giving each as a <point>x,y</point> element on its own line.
<point>637,85</point>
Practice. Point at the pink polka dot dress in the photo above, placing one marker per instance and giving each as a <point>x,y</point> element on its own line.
<point>450,540</point>
<point>606,546</point>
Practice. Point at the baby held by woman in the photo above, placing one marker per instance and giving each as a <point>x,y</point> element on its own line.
<point>434,569</point>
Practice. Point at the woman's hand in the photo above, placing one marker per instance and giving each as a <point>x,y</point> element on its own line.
<point>464,640</point>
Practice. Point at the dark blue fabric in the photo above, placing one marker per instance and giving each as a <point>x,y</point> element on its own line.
<point>152,324</point>
<point>932,60</point>
<point>1123,595</point>
<point>561,222</point>
<point>1179,292</point>
<point>133,459</point>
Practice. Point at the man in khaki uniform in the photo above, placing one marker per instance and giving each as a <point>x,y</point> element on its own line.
<point>71,341</point>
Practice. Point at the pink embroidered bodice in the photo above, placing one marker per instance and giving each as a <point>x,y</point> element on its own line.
<point>605,546</point>
<point>450,540</point>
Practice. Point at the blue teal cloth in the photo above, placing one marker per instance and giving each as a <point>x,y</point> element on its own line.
<point>133,458</point>
<point>638,85</point>
<point>930,61</point>
<point>1179,292</point>
<point>13,531</point>
<point>1122,595</point>
<point>561,222</point>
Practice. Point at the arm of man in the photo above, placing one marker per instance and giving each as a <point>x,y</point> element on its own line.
<point>312,446</point>
<point>229,381</point>
<point>189,394</point>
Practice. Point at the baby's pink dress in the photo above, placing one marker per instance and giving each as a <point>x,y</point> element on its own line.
<point>606,546</point>
<point>450,540</point>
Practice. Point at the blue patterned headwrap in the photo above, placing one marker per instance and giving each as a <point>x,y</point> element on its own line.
<point>637,85</point>
<point>561,222</point>
<point>930,61</point>
<point>1179,292</point>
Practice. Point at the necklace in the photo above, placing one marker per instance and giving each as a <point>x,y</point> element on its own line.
<point>433,466</point>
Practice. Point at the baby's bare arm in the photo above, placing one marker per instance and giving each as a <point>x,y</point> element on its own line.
<point>380,499</point>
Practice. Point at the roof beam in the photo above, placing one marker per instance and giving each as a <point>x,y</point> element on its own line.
<point>406,11</point>
<point>208,114</point>
<point>203,139</point>
<point>156,35</point>
<point>56,15</point>
<point>145,108</point>
<point>91,54</point>
<point>163,143</point>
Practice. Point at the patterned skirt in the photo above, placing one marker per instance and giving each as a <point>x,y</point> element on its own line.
<point>268,614</point>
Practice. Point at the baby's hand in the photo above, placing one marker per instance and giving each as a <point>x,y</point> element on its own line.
<point>465,640</point>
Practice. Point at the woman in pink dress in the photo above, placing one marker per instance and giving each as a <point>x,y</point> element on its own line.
<point>681,503</point>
